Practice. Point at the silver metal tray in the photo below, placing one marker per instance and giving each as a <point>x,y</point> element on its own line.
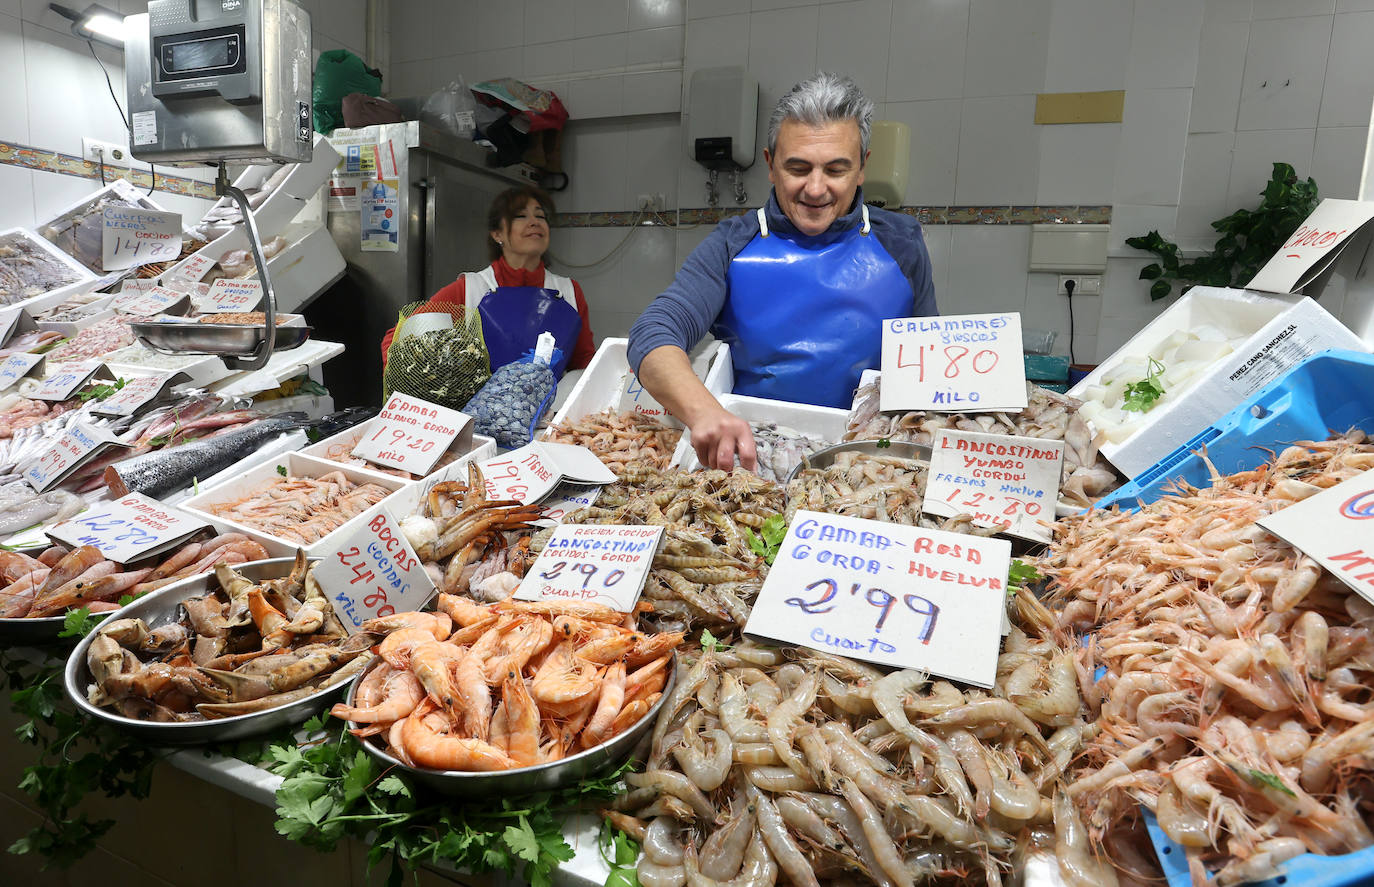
<point>220,339</point>
<point>899,449</point>
<point>540,778</point>
<point>43,630</point>
<point>158,608</point>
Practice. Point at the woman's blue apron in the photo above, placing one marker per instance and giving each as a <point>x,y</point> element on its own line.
<point>514,316</point>
<point>804,314</point>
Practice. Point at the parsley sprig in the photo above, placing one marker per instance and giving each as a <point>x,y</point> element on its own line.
<point>1141,396</point>
<point>1019,575</point>
<point>773,531</point>
<point>101,391</point>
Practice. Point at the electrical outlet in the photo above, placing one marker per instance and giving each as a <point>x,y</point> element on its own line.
<point>1083,284</point>
<point>651,202</point>
<point>113,153</point>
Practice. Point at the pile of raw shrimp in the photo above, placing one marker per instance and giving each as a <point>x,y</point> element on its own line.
<point>1236,699</point>
<point>821,769</point>
<point>621,440</point>
<point>515,684</point>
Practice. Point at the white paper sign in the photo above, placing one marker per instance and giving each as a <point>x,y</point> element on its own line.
<point>137,393</point>
<point>1316,243</point>
<point>81,442</point>
<point>67,377</point>
<point>193,270</point>
<point>636,399</point>
<point>157,300</point>
<point>133,287</point>
<point>953,364</point>
<point>411,434</point>
<point>9,317</point>
<point>129,528</point>
<point>593,563</point>
<point>1007,482</point>
<point>1336,529</point>
<point>528,473</point>
<point>231,295</point>
<point>16,367</point>
<point>373,573</point>
<point>132,236</point>
<point>565,499</point>
<point>888,593</point>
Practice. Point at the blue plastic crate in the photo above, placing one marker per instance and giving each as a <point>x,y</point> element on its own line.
<point>1328,392</point>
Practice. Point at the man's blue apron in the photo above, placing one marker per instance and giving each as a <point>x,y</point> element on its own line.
<point>804,314</point>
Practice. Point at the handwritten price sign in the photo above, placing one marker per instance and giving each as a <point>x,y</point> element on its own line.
<point>128,529</point>
<point>891,594</point>
<point>231,295</point>
<point>80,443</point>
<point>189,272</point>
<point>637,399</point>
<point>67,378</point>
<point>594,563</point>
<point>374,573</point>
<point>1006,482</point>
<point>137,393</point>
<point>132,236</point>
<point>1336,529</point>
<point>16,367</point>
<point>567,498</point>
<point>411,434</point>
<point>157,300</point>
<point>952,364</point>
<point>530,472</point>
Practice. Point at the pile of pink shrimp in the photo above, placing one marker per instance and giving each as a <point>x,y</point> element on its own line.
<point>302,509</point>
<point>514,684</point>
<point>621,440</point>
<point>60,579</point>
<point>1237,702</point>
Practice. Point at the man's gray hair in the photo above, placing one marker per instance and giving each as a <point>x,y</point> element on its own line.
<point>823,99</point>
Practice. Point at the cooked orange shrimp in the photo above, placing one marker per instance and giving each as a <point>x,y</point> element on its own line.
<point>522,722</point>
<point>400,693</point>
<point>563,677</point>
<point>429,748</point>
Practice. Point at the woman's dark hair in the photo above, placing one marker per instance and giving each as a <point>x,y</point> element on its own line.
<point>508,205</point>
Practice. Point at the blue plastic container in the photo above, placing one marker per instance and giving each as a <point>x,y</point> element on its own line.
<point>1328,392</point>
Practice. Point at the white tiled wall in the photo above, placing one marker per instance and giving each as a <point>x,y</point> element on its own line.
<point>1216,91</point>
<point>55,94</point>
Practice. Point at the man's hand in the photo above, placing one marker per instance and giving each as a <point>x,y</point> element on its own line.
<point>719,435</point>
<point>716,434</point>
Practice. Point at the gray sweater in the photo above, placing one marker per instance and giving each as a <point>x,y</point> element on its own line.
<point>684,312</point>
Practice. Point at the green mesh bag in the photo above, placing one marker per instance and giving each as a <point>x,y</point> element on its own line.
<point>443,366</point>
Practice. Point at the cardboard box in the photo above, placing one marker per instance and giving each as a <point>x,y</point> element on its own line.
<point>260,476</point>
<point>336,449</point>
<point>1272,334</point>
<point>827,423</point>
<point>607,378</point>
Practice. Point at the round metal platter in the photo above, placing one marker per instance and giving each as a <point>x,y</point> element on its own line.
<point>214,338</point>
<point>540,778</point>
<point>898,449</point>
<point>160,607</point>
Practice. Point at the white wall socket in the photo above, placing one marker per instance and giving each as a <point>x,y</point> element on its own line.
<point>114,153</point>
<point>1083,284</point>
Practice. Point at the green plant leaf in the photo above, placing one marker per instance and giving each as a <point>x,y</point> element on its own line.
<point>1160,289</point>
<point>1151,272</point>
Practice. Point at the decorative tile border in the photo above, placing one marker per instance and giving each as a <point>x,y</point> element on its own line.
<point>41,160</point>
<point>927,215</point>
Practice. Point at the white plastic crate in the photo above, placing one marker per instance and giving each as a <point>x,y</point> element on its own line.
<point>336,449</point>
<point>824,422</point>
<point>259,476</point>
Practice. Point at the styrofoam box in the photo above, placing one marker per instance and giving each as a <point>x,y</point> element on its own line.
<point>120,188</point>
<point>70,328</point>
<point>1278,330</point>
<point>605,378</point>
<point>310,262</point>
<point>283,365</point>
<point>337,447</point>
<point>82,277</point>
<point>827,423</point>
<point>258,477</point>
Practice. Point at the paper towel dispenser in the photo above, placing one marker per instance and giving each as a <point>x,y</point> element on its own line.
<point>889,156</point>
<point>722,118</point>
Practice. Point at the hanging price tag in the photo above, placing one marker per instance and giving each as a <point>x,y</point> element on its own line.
<point>16,367</point>
<point>595,563</point>
<point>373,573</point>
<point>411,434</point>
<point>530,472</point>
<point>954,364</point>
<point>132,236</point>
<point>128,529</point>
<point>1010,483</point>
<point>1335,528</point>
<point>230,295</point>
<point>67,377</point>
<point>81,443</point>
<point>888,593</point>
<point>137,393</point>
<point>157,300</point>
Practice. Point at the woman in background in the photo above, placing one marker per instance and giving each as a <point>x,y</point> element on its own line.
<point>527,294</point>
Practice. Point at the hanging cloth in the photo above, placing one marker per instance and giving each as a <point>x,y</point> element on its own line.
<point>804,314</point>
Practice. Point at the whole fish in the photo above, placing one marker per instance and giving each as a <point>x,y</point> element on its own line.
<point>167,471</point>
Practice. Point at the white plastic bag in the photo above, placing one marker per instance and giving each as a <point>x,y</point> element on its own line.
<point>452,109</point>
